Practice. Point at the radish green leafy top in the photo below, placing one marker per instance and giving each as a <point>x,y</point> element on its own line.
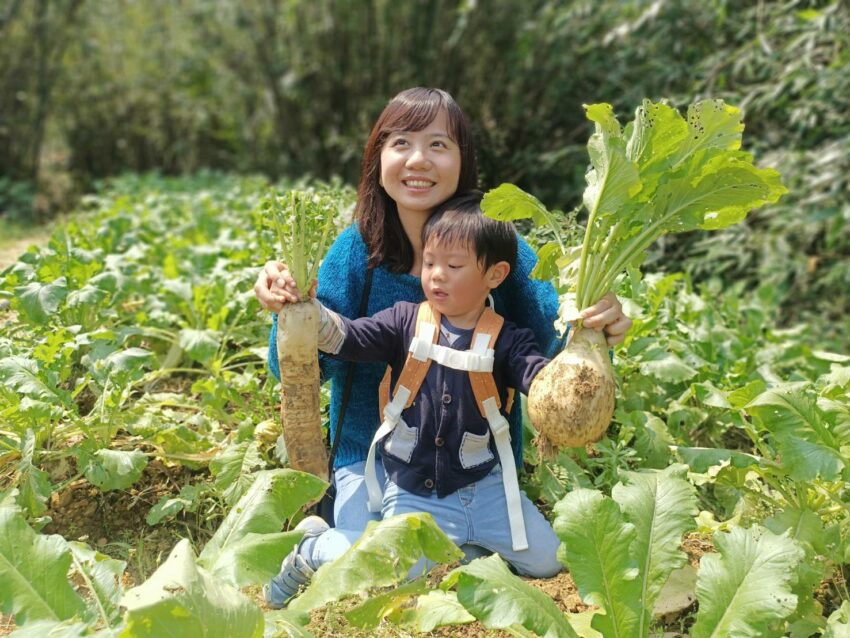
<point>661,174</point>
<point>304,221</point>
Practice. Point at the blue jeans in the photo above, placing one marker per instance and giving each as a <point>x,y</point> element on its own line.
<point>350,505</point>
<point>475,518</point>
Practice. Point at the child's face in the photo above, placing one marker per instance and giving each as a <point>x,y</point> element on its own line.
<point>455,282</point>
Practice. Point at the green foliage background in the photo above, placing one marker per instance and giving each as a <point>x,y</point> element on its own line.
<point>291,87</point>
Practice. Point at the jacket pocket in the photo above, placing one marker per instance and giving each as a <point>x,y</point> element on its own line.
<point>402,441</point>
<point>475,450</point>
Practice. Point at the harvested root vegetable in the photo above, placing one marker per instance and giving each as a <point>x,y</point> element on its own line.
<point>572,399</point>
<point>661,174</point>
<point>303,221</point>
<point>297,345</point>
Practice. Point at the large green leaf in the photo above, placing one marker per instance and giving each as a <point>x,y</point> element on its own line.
<point>65,629</point>
<point>273,497</point>
<point>235,469</point>
<point>491,593</point>
<point>667,366</point>
<point>723,195</point>
<point>506,202</point>
<point>613,178</point>
<point>41,301</point>
<point>114,469</point>
<point>808,448</point>
<point>661,506</point>
<point>24,376</point>
<point>33,483</point>
<point>371,613</point>
<point>381,557</point>
<point>34,573</point>
<point>596,542</point>
<point>713,125</point>
<point>806,527</point>
<point>182,599</point>
<point>654,137</point>
<point>255,558</point>
<point>747,586</point>
<point>200,345</point>
<point>699,459</point>
<point>102,577</point>
<point>285,623</point>
<point>437,608</point>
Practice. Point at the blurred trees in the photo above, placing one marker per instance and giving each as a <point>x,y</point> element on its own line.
<point>291,87</point>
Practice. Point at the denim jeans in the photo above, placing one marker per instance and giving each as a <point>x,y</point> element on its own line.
<point>475,518</point>
<point>478,515</point>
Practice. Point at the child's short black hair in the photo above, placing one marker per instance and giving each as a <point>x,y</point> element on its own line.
<point>460,221</point>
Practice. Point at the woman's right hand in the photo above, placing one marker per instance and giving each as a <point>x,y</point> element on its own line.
<point>275,286</point>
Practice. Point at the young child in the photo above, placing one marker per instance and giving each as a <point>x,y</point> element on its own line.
<point>444,443</point>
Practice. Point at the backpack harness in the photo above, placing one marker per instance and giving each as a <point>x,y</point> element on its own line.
<point>478,361</point>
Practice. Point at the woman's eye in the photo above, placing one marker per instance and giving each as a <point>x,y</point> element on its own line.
<point>455,266</point>
<point>439,144</point>
<point>399,141</point>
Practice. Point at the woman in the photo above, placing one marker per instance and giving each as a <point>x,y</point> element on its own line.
<point>419,154</point>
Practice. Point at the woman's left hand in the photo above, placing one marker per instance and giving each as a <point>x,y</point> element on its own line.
<point>607,315</point>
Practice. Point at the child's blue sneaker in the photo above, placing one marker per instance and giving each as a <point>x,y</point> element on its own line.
<point>294,570</point>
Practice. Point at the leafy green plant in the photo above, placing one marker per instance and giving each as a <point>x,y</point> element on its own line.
<point>382,556</point>
<point>621,551</point>
<point>662,174</point>
<point>185,596</point>
<point>303,222</point>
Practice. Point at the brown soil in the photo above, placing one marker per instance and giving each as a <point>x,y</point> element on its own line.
<point>696,546</point>
<point>10,252</point>
<point>114,522</point>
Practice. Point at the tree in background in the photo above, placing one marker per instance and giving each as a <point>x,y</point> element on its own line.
<point>33,39</point>
<point>289,87</point>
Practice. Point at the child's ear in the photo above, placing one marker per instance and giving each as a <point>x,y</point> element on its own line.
<point>497,273</point>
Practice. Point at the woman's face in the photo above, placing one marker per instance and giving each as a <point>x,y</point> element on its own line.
<point>420,169</point>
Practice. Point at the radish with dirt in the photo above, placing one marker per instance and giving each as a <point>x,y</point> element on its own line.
<point>661,174</point>
<point>303,221</point>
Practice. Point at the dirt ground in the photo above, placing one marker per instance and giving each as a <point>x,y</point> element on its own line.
<point>9,252</point>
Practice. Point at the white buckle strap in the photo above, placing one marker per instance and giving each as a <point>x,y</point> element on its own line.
<point>482,344</point>
<point>392,416</point>
<point>420,345</point>
<point>465,360</point>
<point>501,435</point>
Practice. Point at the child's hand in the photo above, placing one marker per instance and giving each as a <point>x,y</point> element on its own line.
<point>607,315</point>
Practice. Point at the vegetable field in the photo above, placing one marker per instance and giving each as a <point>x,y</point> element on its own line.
<point>145,491</point>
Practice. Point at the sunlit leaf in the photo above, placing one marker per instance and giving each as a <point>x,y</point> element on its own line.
<point>181,599</point>
<point>747,585</point>
<point>596,542</point>
<point>34,573</point>
<point>499,599</point>
<point>114,469</point>
<point>381,557</point>
<point>273,497</point>
<point>41,301</point>
<point>661,506</point>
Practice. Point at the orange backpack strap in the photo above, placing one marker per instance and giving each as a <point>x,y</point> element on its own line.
<point>414,370</point>
<point>384,390</point>
<point>483,384</point>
